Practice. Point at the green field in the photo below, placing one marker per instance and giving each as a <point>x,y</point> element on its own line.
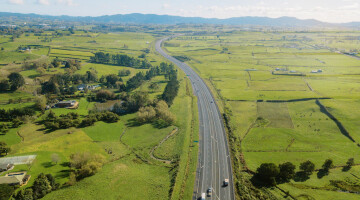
<point>129,162</point>
<point>268,89</point>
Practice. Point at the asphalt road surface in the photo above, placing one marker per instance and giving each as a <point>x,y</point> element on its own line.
<point>214,163</point>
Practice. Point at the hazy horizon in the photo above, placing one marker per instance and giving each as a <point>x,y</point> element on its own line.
<point>332,11</point>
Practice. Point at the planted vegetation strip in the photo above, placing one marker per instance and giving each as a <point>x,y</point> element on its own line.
<point>341,127</point>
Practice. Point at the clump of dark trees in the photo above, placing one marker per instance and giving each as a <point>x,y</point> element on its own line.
<point>119,60</point>
<point>15,116</point>
<point>43,185</point>
<point>4,149</point>
<point>14,82</point>
<point>61,83</point>
<point>11,114</point>
<point>53,122</point>
<point>269,174</point>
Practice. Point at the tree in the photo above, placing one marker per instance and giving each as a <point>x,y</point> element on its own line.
<point>6,191</point>
<point>4,128</point>
<point>91,76</point>
<point>56,62</point>
<point>26,194</point>
<point>50,87</point>
<point>287,171</point>
<point>267,172</point>
<point>350,162</point>
<point>136,101</point>
<point>55,158</point>
<point>307,167</point>
<point>124,72</point>
<point>41,186</point>
<point>86,164</point>
<point>16,81</point>
<point>53,184</point>
<point>146,114</point>
<point>15,123</point>
<point>40,103</point>
<point>164,114</point>
<point>154,86</point>
<point>328,164</point>
<point>172,88</point>
<point>111,80</point>
<point>104,95</point>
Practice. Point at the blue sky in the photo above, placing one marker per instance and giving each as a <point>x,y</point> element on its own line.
<point>324,10</point>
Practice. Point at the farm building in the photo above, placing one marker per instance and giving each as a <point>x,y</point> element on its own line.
<point>82,87</point>
<point>6,167</point>
<point>317,71</point>
<point>16,178</point>
<point>67,104</point>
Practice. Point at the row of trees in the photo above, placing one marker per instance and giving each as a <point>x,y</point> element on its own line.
<point>120,60</point>
<point>11,114</point>
<point>271,174</point>
<point>53,122</point>
<point>44,64</point>
<point>171,89</point>
<point>4,127</point>
<point>164,69</point>
<point>14,82</point>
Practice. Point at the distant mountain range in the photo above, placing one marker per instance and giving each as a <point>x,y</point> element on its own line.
<point>137,18</point>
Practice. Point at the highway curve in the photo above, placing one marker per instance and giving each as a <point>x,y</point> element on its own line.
<point>214,164</point>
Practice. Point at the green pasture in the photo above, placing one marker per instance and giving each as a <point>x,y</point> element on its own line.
<point>242,67</point>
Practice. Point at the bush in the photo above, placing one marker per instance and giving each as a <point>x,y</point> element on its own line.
<point>163,113</point>
<point>86,164</point>
<point>104,95</point>
<point>146,114</point>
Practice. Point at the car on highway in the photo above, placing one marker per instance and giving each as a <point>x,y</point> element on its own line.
<point>209,192</point>
<point>226,182</point>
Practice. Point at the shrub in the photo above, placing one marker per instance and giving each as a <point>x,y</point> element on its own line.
<point>86,164</point>
<point>307,167</point>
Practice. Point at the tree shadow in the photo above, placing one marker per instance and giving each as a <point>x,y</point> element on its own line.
<point>133,123</point>
<point>47,164</point>
<point>63,173</point>
<point>258,183</point>
<point>159,125</point>
<point>321,173</point>
<point>65,164</point>
<point>346,168</point>
<point>301,177</point>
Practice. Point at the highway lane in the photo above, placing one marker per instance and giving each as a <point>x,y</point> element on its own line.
<point>214,163</point>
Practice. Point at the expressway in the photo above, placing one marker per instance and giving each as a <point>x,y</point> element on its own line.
<point>214,164</point>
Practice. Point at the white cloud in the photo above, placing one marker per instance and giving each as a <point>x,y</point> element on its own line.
<point>67,2</point>
<point>165,6</point>
<point>44,2</point>
<point>345,13</point>
<point>17,2</point>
